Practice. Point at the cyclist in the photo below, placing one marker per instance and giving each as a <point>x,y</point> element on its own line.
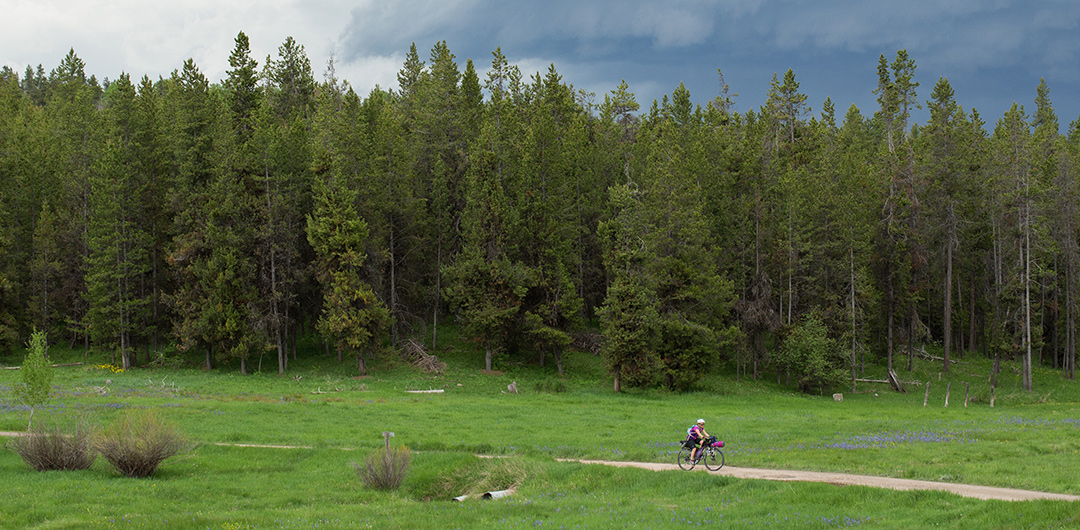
<point>696,434</point>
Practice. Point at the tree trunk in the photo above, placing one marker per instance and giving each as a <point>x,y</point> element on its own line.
<point>125,355</point>
<point>1055,345</point>
<point>361,366</point>
<point>275,324</point>
<point>438,298</point>
<point>156,295</point>
<point>971,288</point>
<point>911,338</point>
<point>291,338</point>
<point>889,331</point>
<point>393,285</point>
<point>1027,306</point>
<point>791,252</point>
<point>851,261</point>
<point>757,338</point>
<point>618,386</point>
<point>947,335</point>
<point>487,358</point>
<point>1070,324</point>
<point>995,369</point>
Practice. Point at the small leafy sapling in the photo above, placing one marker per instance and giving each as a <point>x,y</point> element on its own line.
<point>37,374</point>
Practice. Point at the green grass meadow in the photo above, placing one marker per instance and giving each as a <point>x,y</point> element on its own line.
<point>320,419</point>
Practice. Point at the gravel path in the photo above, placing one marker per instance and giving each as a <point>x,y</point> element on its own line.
<point>843,479</point>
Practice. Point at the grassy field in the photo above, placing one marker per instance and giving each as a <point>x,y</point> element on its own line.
<point>322,419</point>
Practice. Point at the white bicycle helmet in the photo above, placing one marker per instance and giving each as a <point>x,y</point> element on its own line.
<point>700,421</point>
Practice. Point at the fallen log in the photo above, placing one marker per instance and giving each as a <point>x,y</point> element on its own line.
<point>54,366</point>
<point>921,352</point>
<point>895,382</point>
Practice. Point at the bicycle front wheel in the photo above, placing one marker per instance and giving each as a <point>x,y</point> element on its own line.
<point>714,460</point>
<point>684,459</point>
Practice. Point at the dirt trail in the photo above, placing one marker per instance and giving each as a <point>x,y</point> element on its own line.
<point>965,490</point>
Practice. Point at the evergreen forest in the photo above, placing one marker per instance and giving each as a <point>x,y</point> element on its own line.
<point>183,218</point>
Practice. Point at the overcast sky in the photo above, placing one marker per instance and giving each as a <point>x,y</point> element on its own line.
<point>992,51</point>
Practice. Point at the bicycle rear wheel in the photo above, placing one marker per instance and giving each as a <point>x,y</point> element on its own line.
<point>714,460</point>
<point>684,459</point>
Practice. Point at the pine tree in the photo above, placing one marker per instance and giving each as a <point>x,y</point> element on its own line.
<point>943,163</point>
<point>243,91</point>
<point>153,177</point>
<point>17,203</point>
<point>44,269</point>
<point>352,317</point>
<point>545,199</point>
<point>485,284</point>
<point>901,257</point>
<point>1067,229</point>
<point>630,316</point>
<point>193,137</point>
<point>76,133</point>
<point>1013,210</point>
<point>282,142</point>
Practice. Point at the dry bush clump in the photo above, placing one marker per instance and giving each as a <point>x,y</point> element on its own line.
<point>416,354</point>
<point>57,448</point>
<point>385,469</point>
<point>139,441</point>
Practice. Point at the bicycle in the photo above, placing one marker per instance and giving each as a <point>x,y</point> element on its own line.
<point>709,454</point>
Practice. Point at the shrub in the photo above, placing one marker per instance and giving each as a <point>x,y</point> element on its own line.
<point>551,386</point>
<point>385,469</point>
<point>812,356</point>
<point>48,449</point>
<point>138,441</point>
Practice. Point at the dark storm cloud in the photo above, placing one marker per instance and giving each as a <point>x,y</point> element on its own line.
<point>585,27</point>
<point>993,51</point>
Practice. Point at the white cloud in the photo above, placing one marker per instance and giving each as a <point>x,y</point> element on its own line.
<point>155,38</point>
<point>365,73</point>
